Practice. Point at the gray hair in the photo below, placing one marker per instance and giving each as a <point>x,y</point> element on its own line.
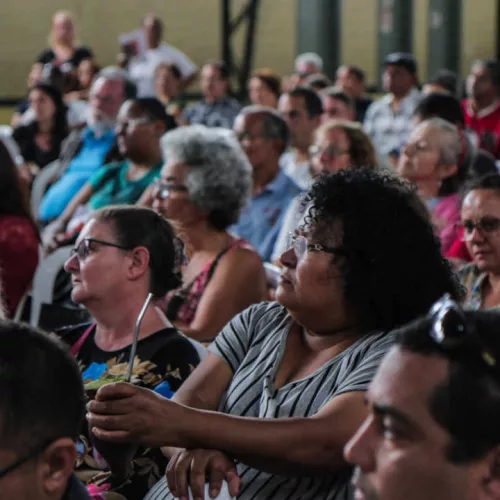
<point>274,125</point>
<point>116,74</point>
<point>450,141</point>
<point>310,58</point>
<point>219,179</point>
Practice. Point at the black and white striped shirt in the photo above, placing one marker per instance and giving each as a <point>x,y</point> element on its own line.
<point>253,344</point>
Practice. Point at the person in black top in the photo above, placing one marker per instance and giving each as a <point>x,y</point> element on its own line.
<point>122,254</point>
<point>40,141</point>
<point>63,51</point>
<point>351,79</point>
<point>42,407</point>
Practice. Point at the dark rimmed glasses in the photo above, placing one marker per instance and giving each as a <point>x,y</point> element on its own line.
<point>331,151</point>
<point>301,246</point>
<point>451,330</point>
<point>84,248</point>
<point>25,458</point>
<point>485,225</point>
<point>162,190</point>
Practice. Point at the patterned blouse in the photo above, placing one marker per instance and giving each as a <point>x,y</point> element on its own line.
<point>472,280</point>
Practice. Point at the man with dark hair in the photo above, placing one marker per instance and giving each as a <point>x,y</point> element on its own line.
<point>217,108</point>
<point>351,79</point>
<point>482,108</point>
<point>388,121</point>
<point>337,105</point>
<point>302,109</point>
<point>41,412</point>
<point>264,135</point>
<point>444,81</point>
<point>432,431</point>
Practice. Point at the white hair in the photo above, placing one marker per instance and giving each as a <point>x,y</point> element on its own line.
<point>219,179</point>
<point>450,142</point>
<point>309,58</point>
<point>115,74</point>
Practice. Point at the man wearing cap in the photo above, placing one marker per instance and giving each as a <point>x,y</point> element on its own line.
<point>388,121</point>
<point>432,429</point>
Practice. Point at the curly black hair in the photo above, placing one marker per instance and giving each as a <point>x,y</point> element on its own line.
<point>393,268</point>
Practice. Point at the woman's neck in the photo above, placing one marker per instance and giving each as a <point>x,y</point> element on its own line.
<point>494,282</point>
<point>203,238</point>
<point>45,126</point>
<point>428,190</point>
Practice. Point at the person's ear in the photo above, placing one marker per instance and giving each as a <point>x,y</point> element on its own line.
<point>446,170</point>
<point>491,479</point>
<point>139,262</point>
<point>55,466</point>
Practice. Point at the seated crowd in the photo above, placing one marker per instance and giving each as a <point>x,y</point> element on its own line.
<point>289,296</point>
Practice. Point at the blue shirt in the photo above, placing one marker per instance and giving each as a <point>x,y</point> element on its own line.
<point>90,157</point>
<point>260,222</point>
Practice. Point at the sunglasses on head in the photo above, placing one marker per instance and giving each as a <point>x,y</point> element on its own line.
<point>451,330</point>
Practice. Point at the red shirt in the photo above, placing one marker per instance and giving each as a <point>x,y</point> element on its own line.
<point>486,124</point>
<point>18,258</point>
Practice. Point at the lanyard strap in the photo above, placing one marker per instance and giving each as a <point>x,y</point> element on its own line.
<point>75,349</point>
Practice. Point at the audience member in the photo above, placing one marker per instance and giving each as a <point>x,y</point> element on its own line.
<point>122,255</point>
<point>432,428</point>
<point>87,70</point>
<point>301,108</point>
<point>140,124</point>
<point>19,241</point>
<point>263,135</point>
<point>432,161</point>
<point>388,121</point>
<point>86,151</point>
<point>258,411</point>
<point>40,141</point>
<point>63,52</point>
<point>443,82</point>
<point>337,105</point>
<point>34,77</point>
<point>264,88</point>
<point>482,108</point>
<point>41,410</point>
<point>338,145</point>
<point>217,108</point>
<point>168,85</point>
<point>351,79</point>
<point>141,67</point>
<point>480,229</point>
<point>306,64</point>
<point>317,82</point>
<point>205,183</point>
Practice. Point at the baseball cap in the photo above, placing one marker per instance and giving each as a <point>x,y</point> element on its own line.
<point>404,59</point>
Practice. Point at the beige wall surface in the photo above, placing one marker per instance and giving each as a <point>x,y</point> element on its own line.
<point>192,25</point>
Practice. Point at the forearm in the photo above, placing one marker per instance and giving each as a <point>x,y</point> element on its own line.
<point>284,446</point>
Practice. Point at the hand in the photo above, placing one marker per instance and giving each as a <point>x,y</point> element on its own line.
<point>195,466</point>
<point>126,413</point>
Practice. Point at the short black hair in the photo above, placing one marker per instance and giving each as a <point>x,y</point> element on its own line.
<point>442,106</point>
<point>313,104</point>
<point>357,72</point>
<point>339,94</point>
<point>491,181</point>
<point>173,68</point>
<point>493,67</point>
<point>137,226</point>
<point>467,404</point>
<point>41,389</point>
<point>389,245</point>
<point>155,110</point>
<point>482,164</point>
<point>222,66</point>
<point>446,79</point>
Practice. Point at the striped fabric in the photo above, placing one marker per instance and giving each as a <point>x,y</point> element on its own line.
<point>253,344</point>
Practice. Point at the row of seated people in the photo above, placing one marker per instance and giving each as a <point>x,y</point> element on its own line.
<point>257,412</point>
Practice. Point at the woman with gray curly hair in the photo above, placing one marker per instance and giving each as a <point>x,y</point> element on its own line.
<point>205,183</point>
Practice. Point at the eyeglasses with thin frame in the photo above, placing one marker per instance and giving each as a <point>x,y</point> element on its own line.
<point>25,458</point>
<point>131,123</point>
<point>301,246</point>
<point>162,190</point>
<point>331,151</point>
<point>485,225</point>
<point>451,330</point>
<point>84,248</point>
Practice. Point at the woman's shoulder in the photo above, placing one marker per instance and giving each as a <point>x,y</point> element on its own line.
<point>262,319</point>
<point>468,274</point>
<point>71,333</point>
<point>46,56</point>
<point>242,253</point>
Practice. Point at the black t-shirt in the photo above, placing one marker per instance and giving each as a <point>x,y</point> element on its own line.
<point>362,104</point>
<point>81,53</point>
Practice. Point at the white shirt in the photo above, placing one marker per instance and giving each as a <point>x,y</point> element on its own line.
<point>142,69</point>
<point>299,172</point>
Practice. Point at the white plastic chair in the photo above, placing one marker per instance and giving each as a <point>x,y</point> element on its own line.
<point>44,280</point>
<point>41,184</point>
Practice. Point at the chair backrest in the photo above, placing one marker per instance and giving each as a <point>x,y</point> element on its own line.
<point>40,185</point>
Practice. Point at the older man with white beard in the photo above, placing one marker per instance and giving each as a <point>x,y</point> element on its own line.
<point>87,150</point>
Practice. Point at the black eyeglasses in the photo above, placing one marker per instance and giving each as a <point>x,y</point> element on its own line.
<point>301,246</point>
<point>451,330</point>
<point>485,225</point>
<point>84,248</point>
<point>25,458</point>
<point>162,190</point>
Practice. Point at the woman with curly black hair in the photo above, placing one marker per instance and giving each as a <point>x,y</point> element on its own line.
<point>284,381</point>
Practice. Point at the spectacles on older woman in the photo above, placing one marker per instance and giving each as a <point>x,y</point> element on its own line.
<point>84,248</point>
<point>486,225</point>
<point>162,190</point>
<point>301,246</point>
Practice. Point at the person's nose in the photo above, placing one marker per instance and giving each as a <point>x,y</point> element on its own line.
<point>358,450</point>
<point>288,258</point>
<point>476,236</point>
<point>72,264</point>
